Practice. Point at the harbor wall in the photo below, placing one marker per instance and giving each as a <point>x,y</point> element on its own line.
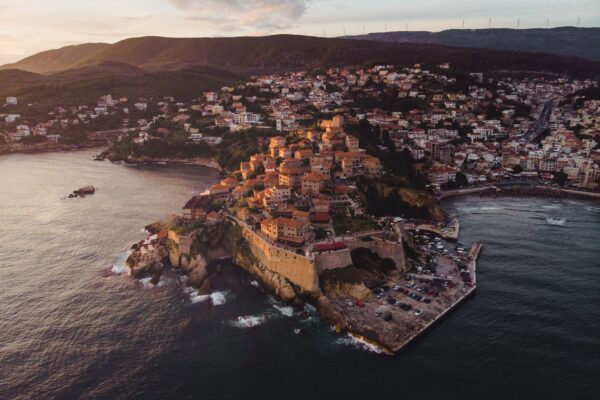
<point>383,248</point>
<point>332,260</point>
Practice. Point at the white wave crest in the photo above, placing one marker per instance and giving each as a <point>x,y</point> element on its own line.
<point>359,343</point>
<point>556,221</point>
<point>165,281</point>
<point>248,321</point>
<point>216,298</point>
<point>285,310</point>
<point>119,266</point>
<point>255,284</point>
<point>147,283</point>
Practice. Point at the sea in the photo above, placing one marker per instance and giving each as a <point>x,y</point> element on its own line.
<point>74,325</point>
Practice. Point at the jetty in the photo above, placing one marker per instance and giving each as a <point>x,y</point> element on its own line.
<point>404,309</point>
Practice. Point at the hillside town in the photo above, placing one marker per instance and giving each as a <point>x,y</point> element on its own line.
<point>459,129</point>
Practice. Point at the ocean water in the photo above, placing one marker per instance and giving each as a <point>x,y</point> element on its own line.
<point>71,329</point>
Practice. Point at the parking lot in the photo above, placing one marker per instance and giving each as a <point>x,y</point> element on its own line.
<point>400,309</point>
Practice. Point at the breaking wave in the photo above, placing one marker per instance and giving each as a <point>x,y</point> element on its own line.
<point>359,343</point>
<point>216,298</point>
<point>249,321</point>
<point>119,266</point>
<point>556,221</point>
<point>284,310</point>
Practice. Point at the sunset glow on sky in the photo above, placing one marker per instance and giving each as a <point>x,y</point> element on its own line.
<point>30,26</point>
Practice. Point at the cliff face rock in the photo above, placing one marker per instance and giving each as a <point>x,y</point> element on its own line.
<point>391,198</point>
<point>346,289</point>
<point>282,287</point>
<point>226,240</point>
<point>329,313</point>
<point>147,261</point>
<point>198,274</point>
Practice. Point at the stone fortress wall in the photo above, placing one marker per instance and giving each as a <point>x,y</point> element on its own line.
<point>297,268</point>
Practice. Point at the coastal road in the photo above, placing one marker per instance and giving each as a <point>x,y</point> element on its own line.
<point>540,126</point>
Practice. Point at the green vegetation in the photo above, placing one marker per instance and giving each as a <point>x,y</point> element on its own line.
<point>234,148</point>
<point>400,168</point>
<point>382,198</point>
<point>353,224</point>
<point>86,85</point>
<point>238,147</point>
<point>560,178</point>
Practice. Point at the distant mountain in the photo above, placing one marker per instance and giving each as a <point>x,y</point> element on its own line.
<point>158,66</point>
<point>567,41</point>
<point>85,85</point>
<point>248,55</point>
<point>57,60</point>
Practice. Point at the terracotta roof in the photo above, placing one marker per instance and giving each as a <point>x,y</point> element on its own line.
<point>198,202</point>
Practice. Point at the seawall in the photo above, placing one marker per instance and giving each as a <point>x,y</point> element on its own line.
<point>297,268</point>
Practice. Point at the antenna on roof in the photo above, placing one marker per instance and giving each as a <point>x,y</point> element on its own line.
<point>364,29</point>
<point>324,32</point>
<point>407,27</point>
<point>344,31</point>
<point>490,23</point>
<point>518,23</point>
<point>547,22</point>
<point>463,23</point>
<point>578,21</point>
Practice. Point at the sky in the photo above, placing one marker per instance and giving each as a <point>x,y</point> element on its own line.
<point>30,26</point>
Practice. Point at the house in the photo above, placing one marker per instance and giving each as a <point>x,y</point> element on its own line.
<point>333,140</point>
<point>372,167</point>
<point>10,118</point>
<point>312,184</point>
<point>287,230</point>
<point>276,195</point>
<point>197,207</point>
<point>441,174</point>
<point>352,143</point>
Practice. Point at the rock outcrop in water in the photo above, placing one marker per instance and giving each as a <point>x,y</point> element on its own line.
<point>148,260</point>
<point>82,192</point>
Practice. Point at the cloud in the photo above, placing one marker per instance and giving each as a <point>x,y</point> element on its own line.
<point>244,14</point>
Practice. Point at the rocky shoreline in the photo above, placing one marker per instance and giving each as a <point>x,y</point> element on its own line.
<point>199,161</point>
<point>349,305</point>
<point>46,147</point>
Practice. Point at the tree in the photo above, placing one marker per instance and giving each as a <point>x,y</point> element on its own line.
<point>560,178</point>
<point>461,179</point>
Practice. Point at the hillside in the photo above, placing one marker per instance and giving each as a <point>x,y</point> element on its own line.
<point>57,60</point>
<point>248,55</point>
<point>87,84</point>
<point>567,41</point>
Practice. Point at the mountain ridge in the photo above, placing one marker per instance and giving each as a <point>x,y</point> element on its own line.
<point>567,40</point>
<point>249,55</point>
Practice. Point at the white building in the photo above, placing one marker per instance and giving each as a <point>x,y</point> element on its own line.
<point>11,100</point>
<point>10,118</point>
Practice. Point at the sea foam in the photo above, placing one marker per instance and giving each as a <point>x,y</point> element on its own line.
<point>216,298</point>
<point>556,221</point>
<point>359,343</point>
<point>249,321</point>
